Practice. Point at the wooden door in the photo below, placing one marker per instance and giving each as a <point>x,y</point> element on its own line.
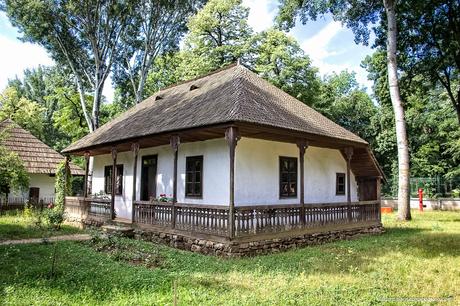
<point>34,195</point>
<point>149,177</point>
<point>368,189</point>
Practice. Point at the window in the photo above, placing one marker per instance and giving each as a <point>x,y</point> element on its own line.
<point>194,177</point>
<point>288,177</point>
<point>340,184</point>
<point>118,180</point>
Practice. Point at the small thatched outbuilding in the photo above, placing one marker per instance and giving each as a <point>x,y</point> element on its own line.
<point>39,160</point>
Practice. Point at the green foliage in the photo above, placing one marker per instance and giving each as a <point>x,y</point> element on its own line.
<point>62,116</point>
<point>28,114</point>
<point>434,142</point>
<point>13,174</point>
<point>219,32</point>
<point>155,30</point>
<point>279,58</point>
<point>428,45</point>
<point>84,37</point>
<point>344,102</point>
<point>55,214</point>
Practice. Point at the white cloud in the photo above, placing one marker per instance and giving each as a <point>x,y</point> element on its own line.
<point>15,56</point>
<point>261,14</point>
<point>317,46</point>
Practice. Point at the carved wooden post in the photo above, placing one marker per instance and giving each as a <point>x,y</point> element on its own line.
<point>135,150</point>
<point>348,154</point>
<point>302,144</point>
<point>85,185</point>
<point>232,137</point>
<point>114,174</point>
<point>378,187</point>
<point>175,142</point>
<point>66,176</point>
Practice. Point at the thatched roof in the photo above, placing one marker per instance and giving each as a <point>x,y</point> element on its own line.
<point>37,156</point>
<point>232,94</point>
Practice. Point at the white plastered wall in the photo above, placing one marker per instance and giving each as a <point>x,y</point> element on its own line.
<point>257,173</point>
<point>44,182</point>
<point>215,173</point>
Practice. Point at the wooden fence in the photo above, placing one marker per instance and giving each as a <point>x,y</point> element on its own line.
<point>14,203</point>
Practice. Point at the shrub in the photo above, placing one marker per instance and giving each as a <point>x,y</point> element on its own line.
<point>54,217</point>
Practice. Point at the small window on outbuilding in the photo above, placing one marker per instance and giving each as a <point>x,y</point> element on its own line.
<point>340,184</point>
<point>288,177</point>
<point>194,177</point>
<point>118,180</point>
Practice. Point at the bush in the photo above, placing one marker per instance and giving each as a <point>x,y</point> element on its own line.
<point>54,217</point>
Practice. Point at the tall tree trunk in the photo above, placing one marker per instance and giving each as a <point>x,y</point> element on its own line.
<point>401,133</point>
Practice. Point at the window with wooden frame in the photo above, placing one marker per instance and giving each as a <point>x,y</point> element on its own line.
<point>340,184</point>
<point>194,177</point>
<point>118,180</point>
<point>288,177</point>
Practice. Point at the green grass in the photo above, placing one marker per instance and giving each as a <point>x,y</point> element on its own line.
<point>14,225</point>
<point>418,259</point>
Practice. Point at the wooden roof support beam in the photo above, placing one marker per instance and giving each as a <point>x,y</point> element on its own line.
<point>302,144</point>
<point>232,136</point>
<point>135,150</point>
<point>114,175</point>
<point>85,183</point>
<point>175,143</point>
<point>349,154</point>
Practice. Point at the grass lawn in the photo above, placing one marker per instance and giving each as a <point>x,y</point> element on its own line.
<point>13,225</point>
<point>418,259</point>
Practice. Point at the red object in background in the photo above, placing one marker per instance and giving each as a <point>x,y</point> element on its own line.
<point>420,199</point>
<point>386,210</point>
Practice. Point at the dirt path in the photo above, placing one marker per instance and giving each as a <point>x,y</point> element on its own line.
<point>75,237</point>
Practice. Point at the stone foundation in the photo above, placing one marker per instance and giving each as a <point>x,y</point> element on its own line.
<point>241,249</point>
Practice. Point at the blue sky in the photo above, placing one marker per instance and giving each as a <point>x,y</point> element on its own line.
<point>330,45</point>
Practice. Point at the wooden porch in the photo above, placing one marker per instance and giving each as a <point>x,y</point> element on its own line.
<point>250,222</point>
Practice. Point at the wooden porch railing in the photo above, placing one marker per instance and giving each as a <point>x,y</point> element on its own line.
<point>253,220</point>
<point>98,207</point>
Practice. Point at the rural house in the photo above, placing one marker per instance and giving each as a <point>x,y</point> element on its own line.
<point>40,162</point>
<point>226,159</point>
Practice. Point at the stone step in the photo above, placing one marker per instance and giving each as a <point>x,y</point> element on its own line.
<point>122,230</point>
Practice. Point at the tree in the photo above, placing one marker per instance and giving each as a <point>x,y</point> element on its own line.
<point>278,58</point>
<point>358,14</point>
<point>26,113</point>
<point>401,133</point>
<point>13,174</point>
<point>430,42</point>
<point>83,36</point>
<point>154,32</point>
<point>344,102</point>
<point>433,143</point>
<point>41,85</point>
<point>219,33</point>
